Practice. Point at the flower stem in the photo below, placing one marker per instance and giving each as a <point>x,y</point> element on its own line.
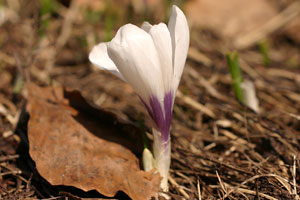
<point>162,157</point>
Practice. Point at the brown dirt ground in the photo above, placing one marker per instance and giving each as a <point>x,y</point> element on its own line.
<point>220,149</point>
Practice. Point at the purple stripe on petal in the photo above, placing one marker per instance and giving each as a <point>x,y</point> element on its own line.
<point>147,107</point>
<point>168,103</point>
<point>161,118</point>
<point>158,115</point>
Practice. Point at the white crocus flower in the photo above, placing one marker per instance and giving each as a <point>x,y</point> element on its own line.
<point>151,59</point>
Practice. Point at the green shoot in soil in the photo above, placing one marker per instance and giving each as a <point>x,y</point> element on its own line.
<point>47,7</point>
<point>264,50</point>
<point>18,84</point>
<point>236,75</point>
<point>144,136</point>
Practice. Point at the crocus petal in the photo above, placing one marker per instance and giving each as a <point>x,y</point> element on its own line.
<point>135,55</point>
<point>146,26</point>
<point>162,41</point>
<point>99,57</point>
<point>179,31</point>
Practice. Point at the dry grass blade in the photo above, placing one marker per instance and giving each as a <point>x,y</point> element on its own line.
<point>222,184</point>
<point>283,181</point>
<point>294,178</point>
<point>194,54</point>
<point>9,157</point>
<point>194,104</point>
<point>174,183</point>
<point>254,193</point>
<point>199,190</point>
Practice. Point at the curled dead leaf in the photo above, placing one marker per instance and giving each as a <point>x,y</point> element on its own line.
<point>69,149</point>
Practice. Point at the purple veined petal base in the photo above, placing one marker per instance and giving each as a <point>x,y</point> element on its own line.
<point>161,118</point>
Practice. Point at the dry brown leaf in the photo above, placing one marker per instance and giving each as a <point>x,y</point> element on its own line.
<point>67,153</point>
<point>231,17</point>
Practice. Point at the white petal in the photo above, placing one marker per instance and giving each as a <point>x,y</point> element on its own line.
<point>180,37</point>
<point>147,159</point>
<point>99,57</point>
<point>249,93</point>
<point>146,26</point>
<point>134,53</point>
<point>162,41</point>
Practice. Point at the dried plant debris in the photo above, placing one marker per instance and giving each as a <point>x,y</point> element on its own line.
<point>68,152</point>
<point>220,148</point>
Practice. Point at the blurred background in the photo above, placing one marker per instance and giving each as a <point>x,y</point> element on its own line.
<point>47,42</point>
<point>48,38</point>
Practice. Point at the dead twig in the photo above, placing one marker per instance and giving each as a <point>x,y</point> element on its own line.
<point>195,104</point>
<point>9,157</point>
<point>174,183</point>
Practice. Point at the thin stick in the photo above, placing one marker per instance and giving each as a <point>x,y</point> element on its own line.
<point>199,191</point>
<point>9,157</point>
<point>236,188</point>
<point>173,182</point>
<point>254,192</point>
<point>195,104</point>
<point>221,183</point>
<point>294,178</point>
